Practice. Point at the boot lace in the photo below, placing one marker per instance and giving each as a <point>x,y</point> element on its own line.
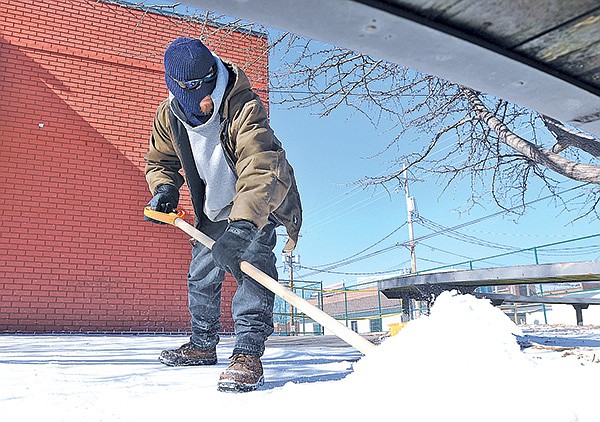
<point>241,359</point>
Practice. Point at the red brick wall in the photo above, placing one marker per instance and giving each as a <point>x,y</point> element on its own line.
<point>80,81</point>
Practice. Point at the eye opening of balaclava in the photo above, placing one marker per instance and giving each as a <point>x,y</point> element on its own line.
<point>188,59</point>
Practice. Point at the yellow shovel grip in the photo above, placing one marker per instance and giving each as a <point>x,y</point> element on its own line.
<point>164,217</point>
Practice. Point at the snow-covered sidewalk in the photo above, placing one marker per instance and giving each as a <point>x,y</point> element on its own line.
<point>461,363</point>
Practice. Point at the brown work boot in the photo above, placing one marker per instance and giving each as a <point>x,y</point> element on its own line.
<point>245,373</point>
<point>189,355</point>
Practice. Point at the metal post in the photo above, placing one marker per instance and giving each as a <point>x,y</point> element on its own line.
<point>379,308</point>
<point>579,313</point>
<point>320,305</point>
<point>406,307</point>
<point>537,262</point>
<point>345,303</point>
<point>303,316</point>
<point>291,264</point>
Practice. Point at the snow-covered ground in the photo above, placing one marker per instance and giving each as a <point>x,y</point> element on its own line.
<point>461,363</point>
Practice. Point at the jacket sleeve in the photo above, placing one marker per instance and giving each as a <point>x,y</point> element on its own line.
<point>264,174</point>
<point>162,162</point>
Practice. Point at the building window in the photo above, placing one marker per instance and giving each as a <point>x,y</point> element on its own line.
<point>354,326</point>
<point>375,325</point>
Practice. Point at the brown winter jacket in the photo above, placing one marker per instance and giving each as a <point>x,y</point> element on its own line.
<point>266,185</point>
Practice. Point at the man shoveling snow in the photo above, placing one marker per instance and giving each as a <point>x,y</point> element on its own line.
<point>242,187</point>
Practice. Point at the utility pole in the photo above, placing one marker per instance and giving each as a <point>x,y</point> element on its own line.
<point>290,259</point>
<point>410,208</point>
<point>407,303</point>
<point>291,264</point>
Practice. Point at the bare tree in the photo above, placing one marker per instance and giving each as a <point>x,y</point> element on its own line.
<point>442,129</point>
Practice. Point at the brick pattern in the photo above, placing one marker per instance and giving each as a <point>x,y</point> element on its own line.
<point>80,82</point>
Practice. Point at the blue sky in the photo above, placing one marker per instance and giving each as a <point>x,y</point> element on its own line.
<point>340,220</point>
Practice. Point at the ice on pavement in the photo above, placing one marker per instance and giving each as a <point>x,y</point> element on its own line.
<point>460,363</point>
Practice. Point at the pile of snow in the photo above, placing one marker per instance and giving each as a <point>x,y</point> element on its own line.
<point>462,363</point>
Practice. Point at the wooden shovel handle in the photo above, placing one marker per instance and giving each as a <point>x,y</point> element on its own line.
<point>353,339</point>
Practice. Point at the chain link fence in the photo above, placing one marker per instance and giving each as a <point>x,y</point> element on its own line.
<point>364,309</point>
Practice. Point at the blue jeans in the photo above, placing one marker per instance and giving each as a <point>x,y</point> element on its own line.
<point>252,305</point>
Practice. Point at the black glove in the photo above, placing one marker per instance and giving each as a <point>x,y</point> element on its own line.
<point>165,199</point>
<point>229,248</point>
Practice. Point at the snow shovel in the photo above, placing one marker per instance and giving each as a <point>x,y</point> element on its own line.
<point>353,339</point>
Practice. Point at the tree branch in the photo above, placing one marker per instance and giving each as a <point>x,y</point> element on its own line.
<point>551,160</point>
<point>567,137</point>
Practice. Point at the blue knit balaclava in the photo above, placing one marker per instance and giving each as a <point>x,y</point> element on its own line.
<point>188,59</point>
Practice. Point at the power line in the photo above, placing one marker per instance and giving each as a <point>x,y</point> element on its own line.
<point>332,202</point>
<point>316,270</point>
<point>445,251</point>
<point>348,210</point>
<point>453,234</point>
<point>320,268</point>
<point>348,261</point>
<point>504,211</point>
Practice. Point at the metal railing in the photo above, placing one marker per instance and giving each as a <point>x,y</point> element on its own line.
<point>362,309</point>
<point>363,304</point>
